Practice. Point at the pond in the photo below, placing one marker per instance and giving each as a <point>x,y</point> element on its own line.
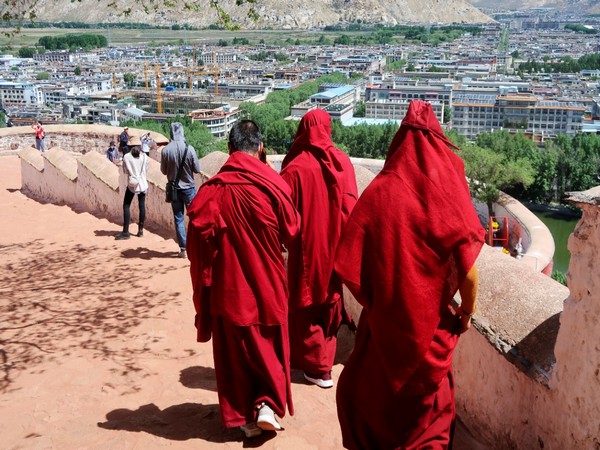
<point>561,226</point>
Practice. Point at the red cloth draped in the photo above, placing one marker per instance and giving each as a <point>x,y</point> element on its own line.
<point>238,221</point>
<point>324,192</point>
<point>410,241</point>
<point>251,368</point>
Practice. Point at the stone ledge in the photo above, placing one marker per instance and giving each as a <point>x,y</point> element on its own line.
<point>518,312</point>
<point>63,161</point>
<point>102,168</point>
<point>33,157</point>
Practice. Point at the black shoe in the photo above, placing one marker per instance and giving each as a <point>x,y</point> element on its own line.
<point>121,236</point>
<point>140,233</point>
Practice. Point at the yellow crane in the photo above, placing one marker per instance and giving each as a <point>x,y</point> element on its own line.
<point>158,91</point>
<point>114,80</point>
<point>214,72</point>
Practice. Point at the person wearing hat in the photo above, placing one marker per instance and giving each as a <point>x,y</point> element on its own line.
<point>123,140</point>
<point>135,166</point>
<point>112,153</point>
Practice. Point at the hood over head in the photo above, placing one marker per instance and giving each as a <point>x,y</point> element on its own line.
<point>177,132</point>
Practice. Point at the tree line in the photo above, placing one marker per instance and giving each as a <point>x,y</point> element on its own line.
<point>566,65</point>
<point>527,171</point>
<point>73,41</point>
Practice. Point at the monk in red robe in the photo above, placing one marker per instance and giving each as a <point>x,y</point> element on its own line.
<point>324,192</point>
<point>411,242</point>
<point>239,221</point>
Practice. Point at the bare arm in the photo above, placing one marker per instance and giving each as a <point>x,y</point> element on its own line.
<point>468,295</point>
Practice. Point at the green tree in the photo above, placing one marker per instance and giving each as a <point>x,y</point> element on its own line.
<point>77,70</point>
<point>42,76</point>
<point>447,113</point>
<point>489,172</point>
<point>360,109</point>
<point>26,52</point>
<point>129,79</point>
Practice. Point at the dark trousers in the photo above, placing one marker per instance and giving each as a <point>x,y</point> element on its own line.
<point>126,209</point>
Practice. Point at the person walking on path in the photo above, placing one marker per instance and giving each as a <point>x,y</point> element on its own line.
<point>410,243</point>
<point>324,191</point>
<point>239,221</point>
<point>180,159</point>
<point>135,166</point>
<point>40,135</point>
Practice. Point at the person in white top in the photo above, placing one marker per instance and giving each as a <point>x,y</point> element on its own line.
<point>135,166</point>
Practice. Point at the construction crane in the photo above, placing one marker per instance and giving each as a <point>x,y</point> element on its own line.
<point>114,80</point>
<point>158,91</point>
<point>214,72</point>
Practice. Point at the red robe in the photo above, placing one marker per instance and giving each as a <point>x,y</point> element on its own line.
<point>324,192</point>
<point>238,222</point>
<point>409,243</point>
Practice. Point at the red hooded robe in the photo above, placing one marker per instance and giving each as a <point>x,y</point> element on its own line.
<point>238,222</point>
<point>324,192</point>
<point>409,243</point>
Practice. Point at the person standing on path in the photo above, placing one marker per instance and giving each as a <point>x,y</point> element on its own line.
<point>135,166</point>
<point>177,157</point>
<point>123,141</point>
<point>239,221</point>
<point>40,135</point>
<point>324,191</point>
<point>410,244</point>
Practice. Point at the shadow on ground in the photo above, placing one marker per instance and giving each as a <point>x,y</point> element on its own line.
<point>180,423</point>
<point>60,299</point>
<point>198,377</point>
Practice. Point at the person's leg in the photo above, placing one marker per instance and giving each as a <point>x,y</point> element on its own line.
<point>142,204</point>
<point>43,145</point>
<point>184,198</point>
<point>38,144</point>
<point>126,215</point>
<point>177,207</point>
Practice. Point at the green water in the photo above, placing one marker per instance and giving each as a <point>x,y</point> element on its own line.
<point>561,228</point>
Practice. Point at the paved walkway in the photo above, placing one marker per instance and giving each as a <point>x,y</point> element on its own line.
<point>97,343</point>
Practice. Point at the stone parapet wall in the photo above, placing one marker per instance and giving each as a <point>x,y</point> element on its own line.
<point>74,138</point>
<point>93,184</point>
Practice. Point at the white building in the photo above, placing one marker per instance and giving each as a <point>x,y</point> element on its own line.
<point>20,94</point>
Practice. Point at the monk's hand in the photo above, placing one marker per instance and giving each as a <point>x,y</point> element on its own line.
<point>463,320</point>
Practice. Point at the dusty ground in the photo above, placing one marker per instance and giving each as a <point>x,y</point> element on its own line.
<point>97,343</point>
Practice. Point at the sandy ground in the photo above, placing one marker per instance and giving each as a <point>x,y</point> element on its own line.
<point>97,343</point>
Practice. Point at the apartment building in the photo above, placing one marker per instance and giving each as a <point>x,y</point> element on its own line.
<point>60,56</point>
<point>479,112</point>
<point>219,121</point>
<point>20,94</point>
<point>390,100</point>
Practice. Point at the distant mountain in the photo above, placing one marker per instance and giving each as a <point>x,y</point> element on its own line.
<point>297,14</point>
<point>573,6</point>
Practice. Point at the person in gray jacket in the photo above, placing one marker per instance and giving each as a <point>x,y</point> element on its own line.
<point>171,157</point>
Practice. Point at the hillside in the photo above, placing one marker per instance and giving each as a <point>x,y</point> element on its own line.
<point>569,6</point>
<point>300,14</point>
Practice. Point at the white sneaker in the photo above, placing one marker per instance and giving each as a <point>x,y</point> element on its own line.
<point>182,254</point>
<point>251,430</point>
<point>266,419</point>
<point>325,384</point>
